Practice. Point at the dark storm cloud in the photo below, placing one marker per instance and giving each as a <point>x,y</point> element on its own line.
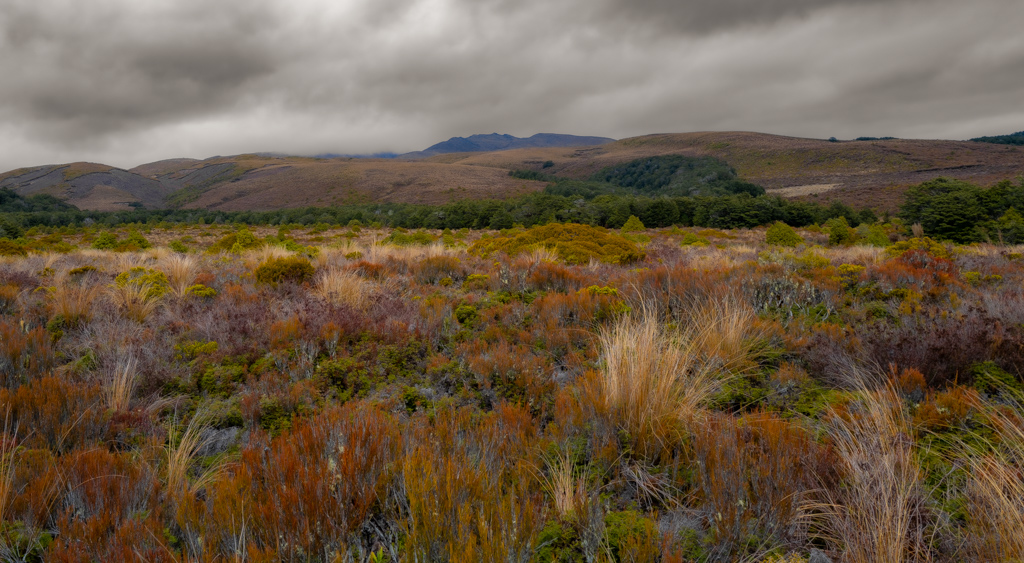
<point>670,16</point>
<point>123,81</point>
<point>87,69</point>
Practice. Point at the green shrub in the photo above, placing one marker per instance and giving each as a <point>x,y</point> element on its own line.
<point>135,241</point>
<point>11,248</point>
<point>10,229</point>
<point>201,291</point>
<point>781,234</point>
<point>633,225</point>
<point>153,282</point>
<point>575,244</point>
<point>839,232</point>
<point>690,239</point>
<point>926,244</point>
<point>105,241</point>
<point>178,246</point>
<point>236,242</point>
<point>873,235</point>
<point>466,314</point>
<point>288,269</point>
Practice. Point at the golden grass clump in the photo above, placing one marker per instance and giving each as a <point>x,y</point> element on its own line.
<point>136,300</point>
<point>655,378</point>
<point>995,488</point>
<point>8,451</point>
<point>876,516</point>
<point>182,451</point>
<point>255,257</point>
<point>181,271</point>
<point>72,301</point>
<point>121,384</point>
<point>567,488</point>
<point>343,288</point>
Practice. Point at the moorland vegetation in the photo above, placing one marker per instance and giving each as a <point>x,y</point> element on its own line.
<point>344,387</point>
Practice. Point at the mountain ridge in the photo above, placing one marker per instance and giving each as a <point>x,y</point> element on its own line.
<point>865,173</point>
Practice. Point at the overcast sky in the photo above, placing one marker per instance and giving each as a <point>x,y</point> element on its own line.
<point>125,82</point>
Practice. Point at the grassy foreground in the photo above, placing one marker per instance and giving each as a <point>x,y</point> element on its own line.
<point>365,395</point>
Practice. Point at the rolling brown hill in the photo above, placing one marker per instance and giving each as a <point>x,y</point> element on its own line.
<point>860,173</point>
<point>266,183</point>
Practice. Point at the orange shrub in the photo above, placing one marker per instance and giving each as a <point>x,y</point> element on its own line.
<point>55,413</point>
<point>24,352</point>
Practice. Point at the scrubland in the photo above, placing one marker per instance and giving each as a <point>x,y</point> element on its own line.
<point>365,395</point>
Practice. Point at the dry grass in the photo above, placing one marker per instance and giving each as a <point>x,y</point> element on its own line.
<point>8,450</point>
<point>876,515</point>
<point>157,253</point>
<point>73,302</point>
<point>343,288</point>
<point>182,451</point>
<point>181,271</point>
<point>654,378</point>
<point>378,252</point>
<point>121,383</point>
<point>257,256</point>
<point>863,255</point>
<point>568,490</point>
<point>135,300</point>
<point>995,489</point>
<point>124,261</point>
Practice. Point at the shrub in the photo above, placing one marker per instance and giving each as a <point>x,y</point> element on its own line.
<point>781,234</point>
<point>10,229</point>
<point>839,232</point>
<point>690,239</point>
<point>633,225</point>
<point>135,241</point>
<point>153,282</point>
<point>401,238</point>
<point>926,244</point>
<point>105,241</point>
<point>293,269</point>
<point>236,242</point>
<point>11,248</point>
<point>573,243</point>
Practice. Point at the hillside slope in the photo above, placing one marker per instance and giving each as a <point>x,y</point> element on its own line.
<point>497,142</point>
<point>89,186</point>
<point>862,173</point>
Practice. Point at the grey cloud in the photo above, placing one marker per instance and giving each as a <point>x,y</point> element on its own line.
<point>92,69</point>
<point>687,16</point>
<point>123,81</point>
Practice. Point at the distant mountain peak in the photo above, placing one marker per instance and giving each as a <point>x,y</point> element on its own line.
<point>503,142</point>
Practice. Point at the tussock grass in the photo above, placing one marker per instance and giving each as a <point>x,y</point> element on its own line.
<point>568,490</point>
<point>121,383</point>
<point>876,516</point>
<point>72,301</point>
<point>158,253</point>
<point>257,256</point>
<point>343,288</point>
<point>378,252</point>
<point>8,451</point>
<point>136,300</point>
<point>655,378</point>
<point>182,451</point>
<point>995,488</point>
<point>124,261</point>
<point>181,271</point>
